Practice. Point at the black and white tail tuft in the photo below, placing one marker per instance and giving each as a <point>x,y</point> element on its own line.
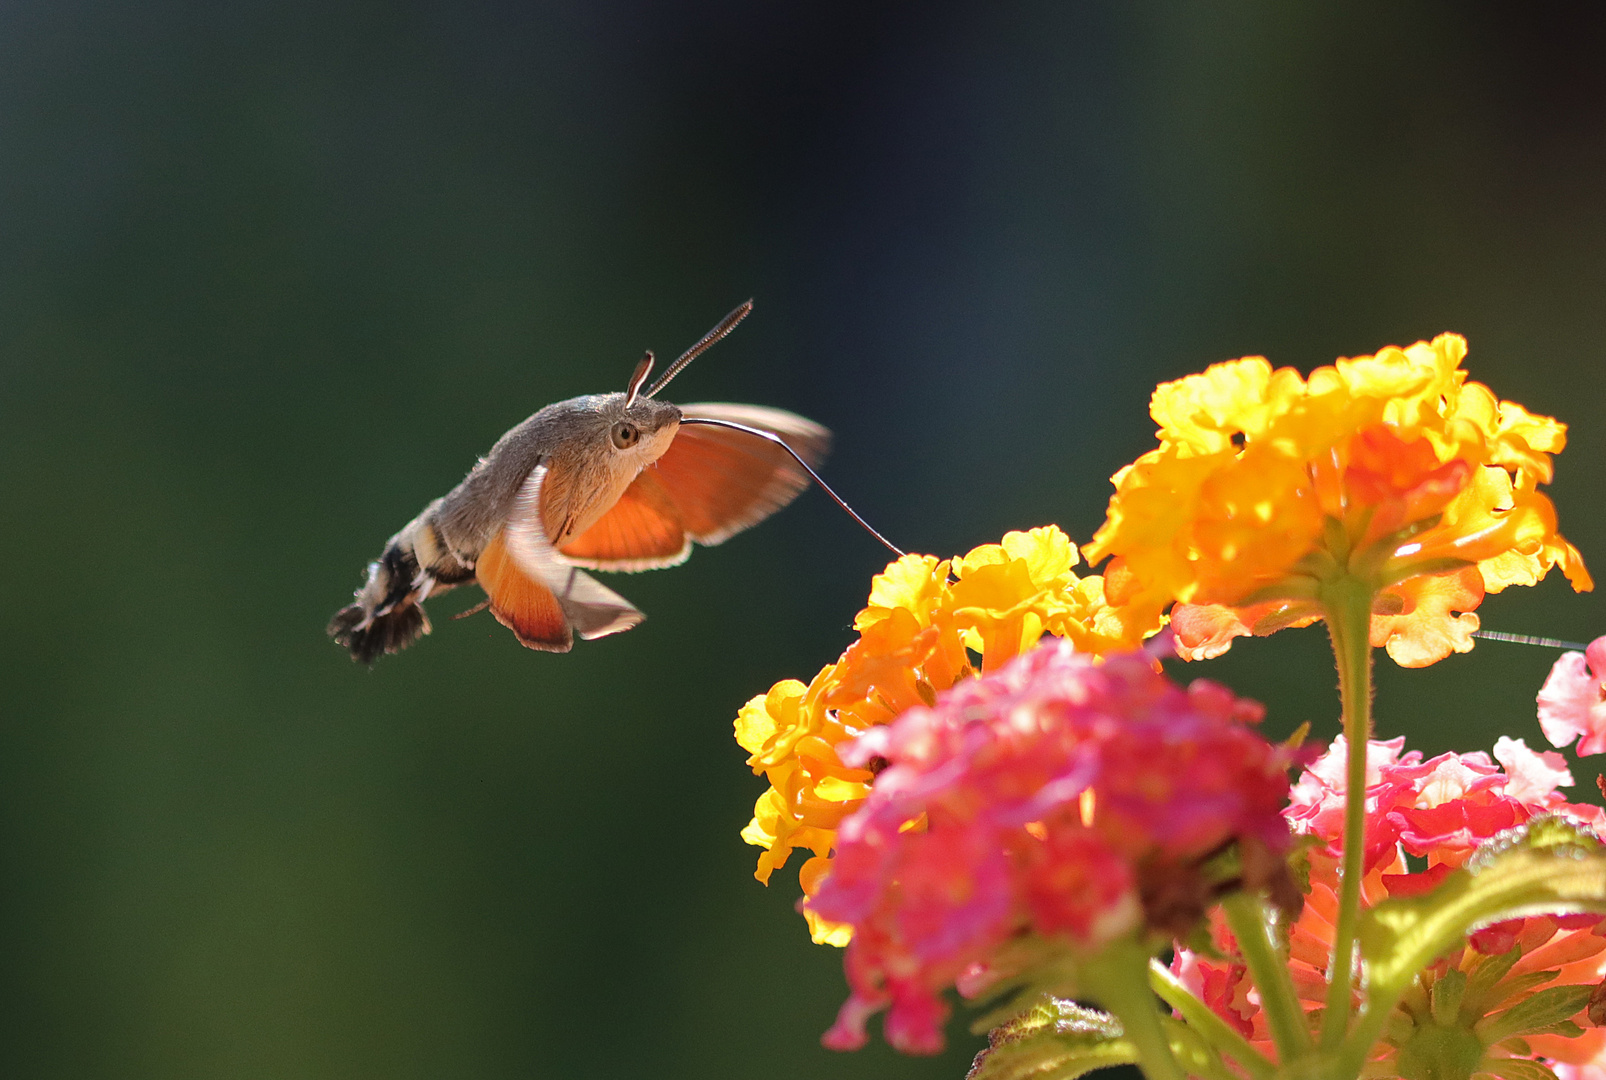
<point>388,614</point>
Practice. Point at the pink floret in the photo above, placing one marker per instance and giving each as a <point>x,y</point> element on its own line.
<point>1572,703</point>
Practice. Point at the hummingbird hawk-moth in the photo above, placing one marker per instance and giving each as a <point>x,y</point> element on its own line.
<point>616,481</point>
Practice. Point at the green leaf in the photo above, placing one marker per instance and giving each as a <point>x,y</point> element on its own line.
<point>1547,832</point>
<point>1516,986</point>
<point>1053,1040</point>
<point>1543,1012</point>
<point>1046,1058</point>
<point>1548,866</point>
<point>1515,1069</point>
<point>1484,976</point>
<point>1447,992</point>
<point>1059,1017</point>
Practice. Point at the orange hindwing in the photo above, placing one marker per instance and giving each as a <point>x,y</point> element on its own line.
<point>521,603</point>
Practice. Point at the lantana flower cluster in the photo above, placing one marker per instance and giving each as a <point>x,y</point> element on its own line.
<point>1393,468</point>
<point>928,624</point>
<point>1059,797</point>
<point>1424,819</point>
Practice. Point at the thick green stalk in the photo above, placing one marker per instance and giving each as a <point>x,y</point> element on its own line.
<point>1268,967</point>
<point>1118,979</point>
<point>1348,613</point>
<point>1207,1025</point>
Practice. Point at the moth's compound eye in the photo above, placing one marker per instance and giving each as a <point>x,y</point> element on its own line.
<point>625,435</point>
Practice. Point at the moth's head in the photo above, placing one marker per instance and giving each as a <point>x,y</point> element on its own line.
<point>621,432</point>
<point>642,428</point>
<point>640,425</point>
<point>634,428</point>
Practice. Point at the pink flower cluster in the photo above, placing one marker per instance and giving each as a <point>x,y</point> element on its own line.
<point>1059,797</point>
<point>1441,810</point>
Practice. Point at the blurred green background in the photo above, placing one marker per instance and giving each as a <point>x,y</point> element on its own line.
<point>272,274</point>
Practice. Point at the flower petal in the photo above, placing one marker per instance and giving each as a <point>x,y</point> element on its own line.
<point>1572,703</point>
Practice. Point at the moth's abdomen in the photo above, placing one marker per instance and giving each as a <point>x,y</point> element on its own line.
<point>388,613</point>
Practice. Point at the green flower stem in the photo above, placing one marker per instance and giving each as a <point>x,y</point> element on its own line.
<point>1347,603</point>
<point>1211,1028</point>
<point>1252,926</point>
<point>1117,978</point>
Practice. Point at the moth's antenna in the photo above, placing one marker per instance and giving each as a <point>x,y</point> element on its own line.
<point>770,436</point>
<point>1528,639</point>
<point>643,369</point>
<point>726,325</point>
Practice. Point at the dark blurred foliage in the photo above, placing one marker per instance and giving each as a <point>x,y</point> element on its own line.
<point>273,273</point>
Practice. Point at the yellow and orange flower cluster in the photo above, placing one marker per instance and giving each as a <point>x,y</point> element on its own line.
<point>1391,469</point>
<point>929,623</point>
